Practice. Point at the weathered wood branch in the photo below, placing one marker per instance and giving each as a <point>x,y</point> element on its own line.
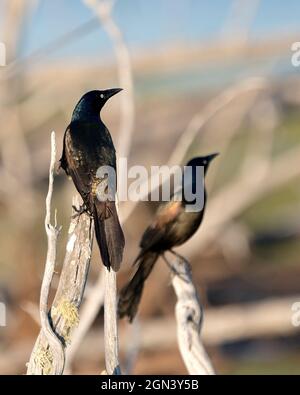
<point>55,345</point>
<point>267,318</point>
<point>189,316</point>
<point>88,313</point>
<point>64,311</point>
<point>111,340</point>
<point>47,356</point>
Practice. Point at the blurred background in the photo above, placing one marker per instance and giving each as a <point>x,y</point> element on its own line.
<point>199,77</point>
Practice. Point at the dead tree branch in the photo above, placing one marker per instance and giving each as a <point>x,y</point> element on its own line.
<point>111,339</point>
<point>47,356</point>
<point>56,348</point>
<point>88,313</point>
<point>189,316</point>
<point>268,318</point>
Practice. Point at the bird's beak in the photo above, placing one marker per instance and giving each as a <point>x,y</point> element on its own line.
<point>212,156</point>
<point>111,92</point>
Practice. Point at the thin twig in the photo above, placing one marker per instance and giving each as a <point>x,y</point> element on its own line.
<point>111,340</point>
<point>55,343</point>
<point>131,345</point>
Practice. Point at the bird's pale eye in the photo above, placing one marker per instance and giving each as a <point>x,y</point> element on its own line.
<point>102,96</point>
<point>205,162</point>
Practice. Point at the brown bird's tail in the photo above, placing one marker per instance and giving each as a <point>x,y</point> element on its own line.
<point>131,294</point>
<point>109,234</point>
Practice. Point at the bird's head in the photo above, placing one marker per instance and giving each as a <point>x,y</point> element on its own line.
<point>193,177</point>
<point>202,161</point>
<point>92,102</point>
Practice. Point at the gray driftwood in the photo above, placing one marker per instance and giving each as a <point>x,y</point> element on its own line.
<point>189,316</point>
<point>48,356</point>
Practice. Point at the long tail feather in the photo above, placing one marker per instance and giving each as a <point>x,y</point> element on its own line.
<point>109,234</point>
<point>131,294</point>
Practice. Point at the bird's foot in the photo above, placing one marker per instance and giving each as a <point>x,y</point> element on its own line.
<point>170,265</point>
<point>180,257</point>
<point>175,267</point>
<point>78,211</point>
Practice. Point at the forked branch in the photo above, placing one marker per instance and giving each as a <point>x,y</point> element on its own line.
<point>48,355</point>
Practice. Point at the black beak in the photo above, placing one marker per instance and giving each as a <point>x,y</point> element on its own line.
<point>212,156</point>
<point>111,92</point>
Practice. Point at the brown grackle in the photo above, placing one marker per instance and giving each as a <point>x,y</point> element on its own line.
<point>173,225</point>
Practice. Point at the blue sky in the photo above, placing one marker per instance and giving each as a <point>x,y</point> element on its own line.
<point>152,23</point>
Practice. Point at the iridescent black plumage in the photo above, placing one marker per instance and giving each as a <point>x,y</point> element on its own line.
<point>88,146</point>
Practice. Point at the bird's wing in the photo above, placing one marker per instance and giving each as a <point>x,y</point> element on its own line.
<point>74,163</point>
<point>157,233</point>
<point>63,160</point>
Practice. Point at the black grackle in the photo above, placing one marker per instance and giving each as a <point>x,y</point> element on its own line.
<point>88,146</point>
